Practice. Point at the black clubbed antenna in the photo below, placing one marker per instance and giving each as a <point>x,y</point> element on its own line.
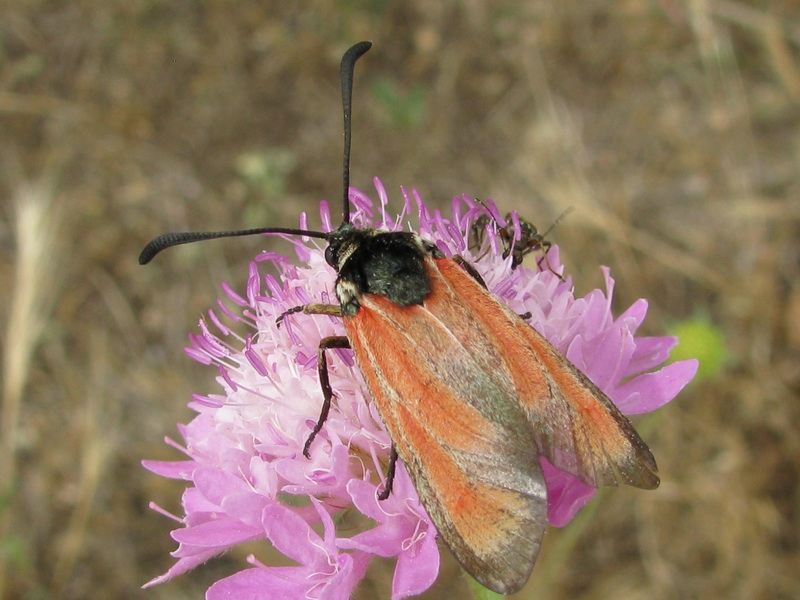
<point>346,75</point>
<point>168,240</point>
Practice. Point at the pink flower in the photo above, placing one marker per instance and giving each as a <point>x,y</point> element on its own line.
<point>249,477</point>
<point>402,529</point>
<point>324,571</point>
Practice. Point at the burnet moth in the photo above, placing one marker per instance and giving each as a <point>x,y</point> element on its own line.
<point>470,394</point>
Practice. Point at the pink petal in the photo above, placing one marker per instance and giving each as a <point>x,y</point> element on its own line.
<point>223,532</point>
<point>292,536</point>
<point>416,568</point>
<point>172,469</point>
<point>650,391</point>
<point>246,507</point>
<point>634,316</point>
<point>182,566</point>
<point>352,568</point>
<point>259,584</point>
<point>566,495</point>
<point>196,503</point>
<point>607,356</point>
<point>216,484</point>
<point>650,352</point>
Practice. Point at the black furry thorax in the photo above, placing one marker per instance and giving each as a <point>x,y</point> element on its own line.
<point>384,263</point>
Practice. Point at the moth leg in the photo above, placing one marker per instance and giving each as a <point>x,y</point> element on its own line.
<point>459,260</point>
<point>333,310</point>
<point>338,341</point>
<point>387,489</point>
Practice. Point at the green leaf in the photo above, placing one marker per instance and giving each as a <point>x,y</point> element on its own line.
<point>699,338</point>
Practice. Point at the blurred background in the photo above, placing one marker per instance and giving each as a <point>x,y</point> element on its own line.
<point>671,127</point>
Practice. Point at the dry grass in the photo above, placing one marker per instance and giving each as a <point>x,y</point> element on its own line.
<point>670,125</point>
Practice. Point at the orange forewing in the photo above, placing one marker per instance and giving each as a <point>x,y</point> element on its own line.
<point>471,396</point>
<point>468,451</point>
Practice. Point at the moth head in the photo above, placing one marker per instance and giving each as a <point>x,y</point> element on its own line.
<point>343,242</point>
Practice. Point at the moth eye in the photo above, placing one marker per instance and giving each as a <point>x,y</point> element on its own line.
<point>330,256</point>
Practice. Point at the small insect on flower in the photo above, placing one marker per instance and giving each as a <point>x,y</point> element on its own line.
<point>470,394</point>
<point>520,237</point>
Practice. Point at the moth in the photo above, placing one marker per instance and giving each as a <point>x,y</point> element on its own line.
<point>470,394</point>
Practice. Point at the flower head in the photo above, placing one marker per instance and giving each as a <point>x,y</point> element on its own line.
<point>249,477</point>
